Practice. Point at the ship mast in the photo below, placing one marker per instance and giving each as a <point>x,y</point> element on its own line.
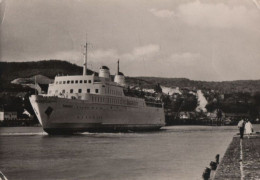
<point>85,61</point>
<point>118,67</point>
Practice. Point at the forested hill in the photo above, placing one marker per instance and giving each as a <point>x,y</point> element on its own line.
<point>224,86</point>
<point>50,68</point>
<point>13,70</point>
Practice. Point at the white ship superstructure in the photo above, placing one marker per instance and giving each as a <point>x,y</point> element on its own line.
<point>94,103</point>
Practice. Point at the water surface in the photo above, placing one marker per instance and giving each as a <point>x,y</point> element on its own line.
<point>177,152</point>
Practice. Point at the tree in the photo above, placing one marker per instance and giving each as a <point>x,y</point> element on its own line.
<point>158,88</point>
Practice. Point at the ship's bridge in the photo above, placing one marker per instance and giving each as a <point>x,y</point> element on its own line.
<point>68,86</point>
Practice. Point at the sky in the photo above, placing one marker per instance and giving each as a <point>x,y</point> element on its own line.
<point>209,40</point>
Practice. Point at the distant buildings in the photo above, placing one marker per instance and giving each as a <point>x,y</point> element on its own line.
<point>8,115</point>
<point>10,118</point>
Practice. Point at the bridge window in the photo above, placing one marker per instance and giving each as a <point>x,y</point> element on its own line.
<point>68,82</point>
<point>85,81</point>
<point>72,82</point>
<point>89,81</point>
<point>88,90</point>
<point>96,90</point>
<point>71,90</point>
<point>63,91</point>
<point>80,81</point>
<point>64,82</point>
<point>80,90</point>
<point>76,81</point>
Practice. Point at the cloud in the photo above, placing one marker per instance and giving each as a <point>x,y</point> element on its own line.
<point>146,50</point>
<point>185,55</point>
<point>108,57</point>
<point>176,37</point>
<point>137,53</point>
<point>217,15</point>
<point>163,13</point>
<point>103,54</point>
<point>185,58</point>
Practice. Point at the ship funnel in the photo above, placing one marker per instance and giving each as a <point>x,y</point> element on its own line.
<point>117,67</point>
<point>119,77</point>
<point>104,72</point>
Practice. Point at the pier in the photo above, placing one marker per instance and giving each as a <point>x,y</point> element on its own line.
<point>241,160</point>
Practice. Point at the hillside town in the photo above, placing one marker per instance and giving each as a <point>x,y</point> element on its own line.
<point>189,105</point>
<point>182,105</point>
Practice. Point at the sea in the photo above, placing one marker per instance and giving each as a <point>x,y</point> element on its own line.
<point>174,152</point>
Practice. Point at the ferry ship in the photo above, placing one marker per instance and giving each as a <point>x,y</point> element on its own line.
<point>91,103</point>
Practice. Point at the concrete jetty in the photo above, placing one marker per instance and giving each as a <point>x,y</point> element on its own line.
<point>241,160</point>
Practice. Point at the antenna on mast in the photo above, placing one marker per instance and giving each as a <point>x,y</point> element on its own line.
<point>86,58</point>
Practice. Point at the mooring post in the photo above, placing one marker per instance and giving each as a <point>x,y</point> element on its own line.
<point>213,165</point>
<point>217,158</point>
<point>206,173</point>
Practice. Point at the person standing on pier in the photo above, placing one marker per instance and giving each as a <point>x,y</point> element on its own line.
<point>248,127</point>
<point>241,126</point>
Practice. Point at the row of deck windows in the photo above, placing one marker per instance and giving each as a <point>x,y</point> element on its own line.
<point>90,117</point>
<point>113,92</point>
<point>80,91</point>
<point>103,108</point>
<point>72,91</point>
<point>109,100</point>
<point>74,81</point>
